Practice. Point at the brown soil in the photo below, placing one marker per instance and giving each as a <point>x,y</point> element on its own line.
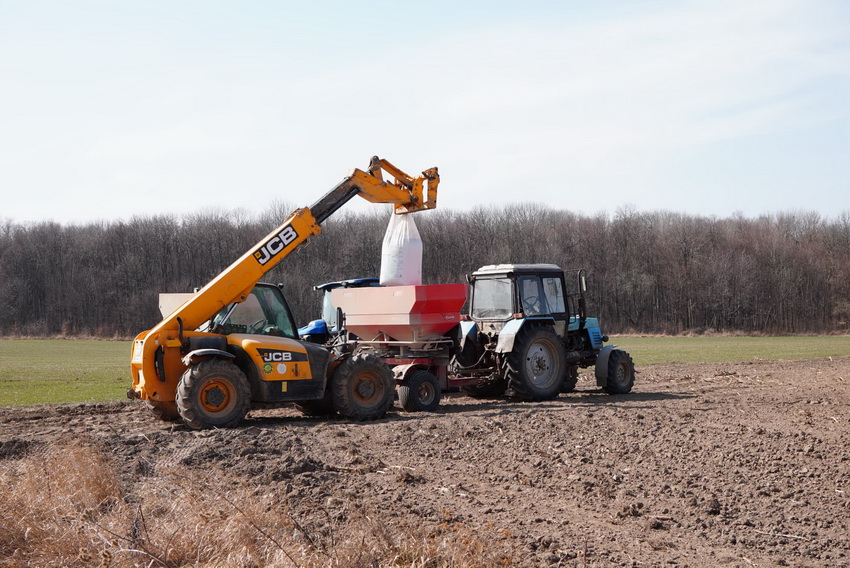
<point>701,465</point>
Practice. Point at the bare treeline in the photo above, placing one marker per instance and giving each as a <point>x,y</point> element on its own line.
<point>655,272</point>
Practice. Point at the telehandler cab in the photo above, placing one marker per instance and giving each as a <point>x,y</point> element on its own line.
<point>233,344</point>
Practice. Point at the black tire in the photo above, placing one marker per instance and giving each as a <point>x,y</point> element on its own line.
<point>536,367</point>
<point>621,373</point>
<point>419,392</point>
<point>570,379</point>
<point>213,394</point>
<point>363,387</point>
<point>490,388</point>
<point>165,411</point>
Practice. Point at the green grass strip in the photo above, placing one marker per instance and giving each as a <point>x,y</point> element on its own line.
<point>36,371</point>
<point>59,370</point>
<point>656,350</point>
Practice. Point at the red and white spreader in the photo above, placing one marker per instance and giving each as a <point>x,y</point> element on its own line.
<point>408,327</point>
<point>412,317</point>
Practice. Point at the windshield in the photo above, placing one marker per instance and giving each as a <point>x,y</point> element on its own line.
<point>492,299</point>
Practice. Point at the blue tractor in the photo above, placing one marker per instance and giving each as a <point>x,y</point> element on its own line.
<point>524,331</point>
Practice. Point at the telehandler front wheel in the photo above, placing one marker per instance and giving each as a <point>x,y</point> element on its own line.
<point>621,373</point>
<point>363,387</point>
<point>537,364</point>
<point>213,394</point>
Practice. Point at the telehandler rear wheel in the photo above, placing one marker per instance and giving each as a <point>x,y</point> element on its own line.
<point>213,394</point>
<point>419,392</point>
<point>621,372</point>
<point>537,364</point>
<point>363,387</point>
<point>165,411</point>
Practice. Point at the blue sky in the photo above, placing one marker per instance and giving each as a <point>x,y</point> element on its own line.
<point>114,109</point>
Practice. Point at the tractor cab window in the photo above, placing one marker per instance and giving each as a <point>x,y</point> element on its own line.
<point>492,299</point>
<point>531,296</point>
<point>541,296</point>
<point>262,313</point>
<point>554,291</point>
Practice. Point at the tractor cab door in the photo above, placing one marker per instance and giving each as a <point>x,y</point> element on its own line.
<point>543,295</point>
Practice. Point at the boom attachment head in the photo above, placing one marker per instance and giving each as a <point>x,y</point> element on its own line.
<point>413,194</point>
<point>408,194</point>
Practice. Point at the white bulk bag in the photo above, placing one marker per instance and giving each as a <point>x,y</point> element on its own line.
<point>401,253</point>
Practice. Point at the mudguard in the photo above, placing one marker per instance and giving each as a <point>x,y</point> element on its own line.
<point>602,365</point>
<point>189,358</point>
<point>468,333</point>
<point>508,334</point>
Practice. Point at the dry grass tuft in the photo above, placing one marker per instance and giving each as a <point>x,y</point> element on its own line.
<point>68,506</point>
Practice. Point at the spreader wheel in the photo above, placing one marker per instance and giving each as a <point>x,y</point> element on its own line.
<point>419,392</point>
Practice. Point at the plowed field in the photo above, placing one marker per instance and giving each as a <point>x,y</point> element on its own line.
<point>701,465</point>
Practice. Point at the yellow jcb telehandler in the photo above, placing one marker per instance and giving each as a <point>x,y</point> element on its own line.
<point>234,344</point>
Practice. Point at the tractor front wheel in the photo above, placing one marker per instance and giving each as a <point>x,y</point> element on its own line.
<point>363,387</point>
<point>537,364</point>
<point>621,373</point>
<point>213,394</point>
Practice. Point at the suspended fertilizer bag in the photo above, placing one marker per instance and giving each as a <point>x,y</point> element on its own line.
<point>401,253</point>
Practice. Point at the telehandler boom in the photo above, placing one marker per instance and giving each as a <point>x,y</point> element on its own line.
<point>234,344</point>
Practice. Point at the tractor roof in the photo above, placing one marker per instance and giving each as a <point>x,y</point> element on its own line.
<point>497,269</point>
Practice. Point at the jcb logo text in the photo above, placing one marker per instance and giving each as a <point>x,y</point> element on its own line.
<point>277,356</point>
<point>274,245</point>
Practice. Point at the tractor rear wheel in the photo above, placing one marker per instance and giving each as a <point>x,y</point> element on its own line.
<point>213,394</point>
<point>570,379</point>
<point>363,387</point>
<point>537,364</point>
<point>165,411</point>
<point>621,373</point>
<point>419,392</point>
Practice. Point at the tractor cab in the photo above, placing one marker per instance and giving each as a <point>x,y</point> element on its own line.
<point>503,292</point>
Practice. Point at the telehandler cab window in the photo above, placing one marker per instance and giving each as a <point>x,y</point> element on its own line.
<point>262,313</point>
<point>492,299</point>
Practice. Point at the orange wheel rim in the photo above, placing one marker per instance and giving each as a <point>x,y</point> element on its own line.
<point>368,388</point>
<point>215,395</point>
